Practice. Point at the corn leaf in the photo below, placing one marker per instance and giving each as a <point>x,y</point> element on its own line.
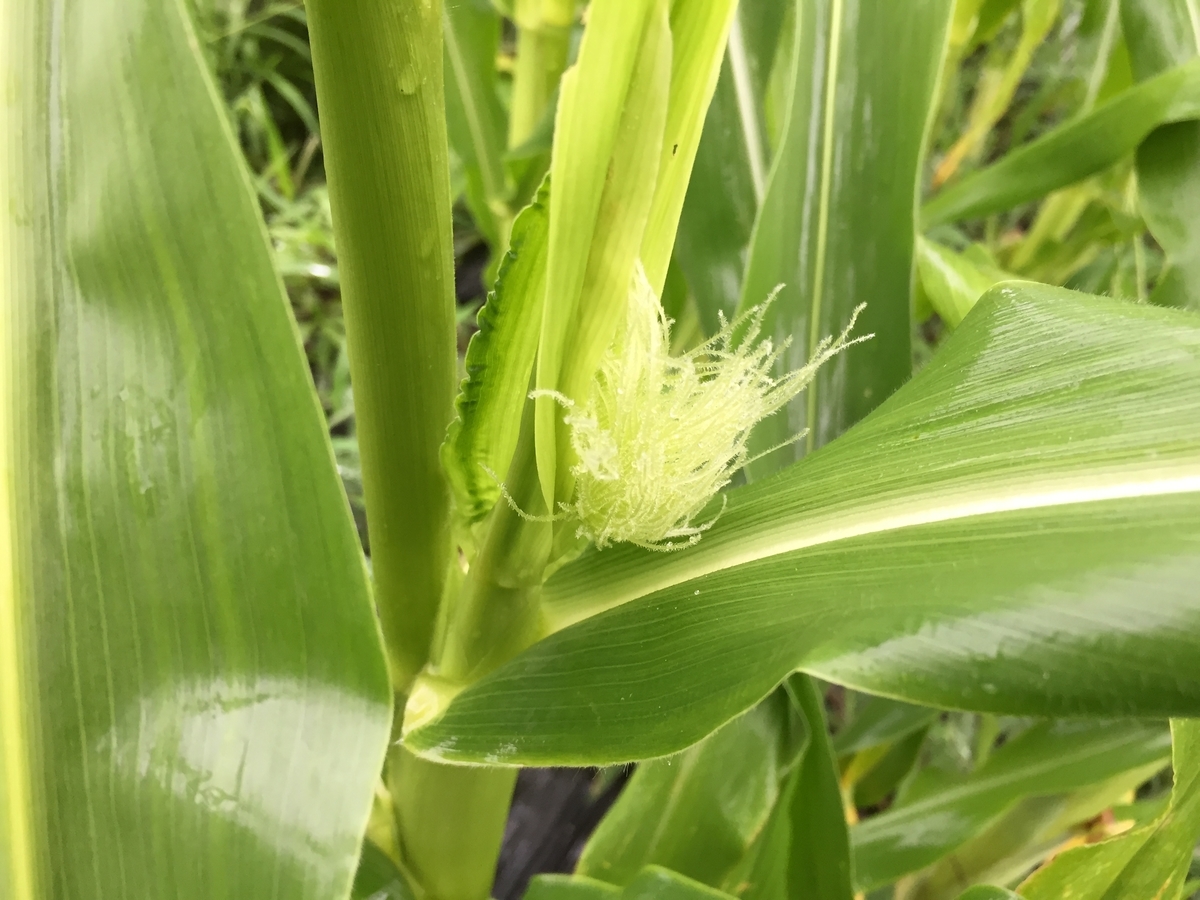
<point>475,120</point>
<point>1013,531</point>
<point>699,812</point>
<point>730,169</point>
<point>483,437</point>
<point>836,224</point>
<point>1151,861</point>
<point>1071,152</point>
<point>591,101</point>
<point>193,695</point>
<point>1162,34</point>
<point>939,811</point>
<point>952,282</point>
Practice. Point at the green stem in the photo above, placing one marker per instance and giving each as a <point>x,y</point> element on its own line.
<point>378,66</point>
<point>543,42</point>
<point>452,823</point>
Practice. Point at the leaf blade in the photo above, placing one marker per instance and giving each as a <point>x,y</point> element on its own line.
<point>692,639</point>
<point>187,592</point>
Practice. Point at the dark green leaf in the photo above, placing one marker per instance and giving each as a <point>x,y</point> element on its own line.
<point>835,227</point>
<point>819,865</point>
<point>698,812</point>
<point>878,720</point>
<point>729,174</point>
<point>1161,34</point>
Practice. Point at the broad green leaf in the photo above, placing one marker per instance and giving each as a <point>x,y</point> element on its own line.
<point>940,811</point>
<point>878,720</point>
<point>481,440</point>
<point>699,812</point>
<point>193,695</point>
<point>763,873</point>
<point>729,174</point>
<point>952,282</point>
<point>1162,34</point>
<point>592,99</point>
<point>475,119</point>
<point>819,863</point>
<point>835,227</point>
<point>1151,861</point>
<point>1011,532</point>
<point>1072,151</point>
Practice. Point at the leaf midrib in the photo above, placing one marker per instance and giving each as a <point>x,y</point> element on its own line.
<point>896,513</point>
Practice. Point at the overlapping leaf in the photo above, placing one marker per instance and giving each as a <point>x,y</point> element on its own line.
<point>1014,531</point>
<point>1073,151</point>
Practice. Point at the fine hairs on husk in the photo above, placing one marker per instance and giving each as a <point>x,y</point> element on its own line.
<point>660,435</point>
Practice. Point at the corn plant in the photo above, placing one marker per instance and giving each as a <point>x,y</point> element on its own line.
<point>689,496</point>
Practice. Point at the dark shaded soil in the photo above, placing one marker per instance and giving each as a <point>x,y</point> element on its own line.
<point>553,812</point>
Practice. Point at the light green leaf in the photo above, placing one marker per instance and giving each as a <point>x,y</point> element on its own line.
<point>569,887</point>
<point>698,812</point>
<point>1013,532</point>
<point>193,695</point>
<point>729,174</point>
<point>475,119</point>
<point>998,84</point>
<point>656,883</point>
<point>951,281</point>
<point>481,440</point>
<point>698,36</point>
<point>1151,861</point>
<point>1073,151</point>
<point>940,812</point>
<point>844,179</point>
<point>592,99</point>
<point>1020,839</point>
<point>652,883</point>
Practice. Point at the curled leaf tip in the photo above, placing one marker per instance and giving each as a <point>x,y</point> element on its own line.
<point>660,435</point>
